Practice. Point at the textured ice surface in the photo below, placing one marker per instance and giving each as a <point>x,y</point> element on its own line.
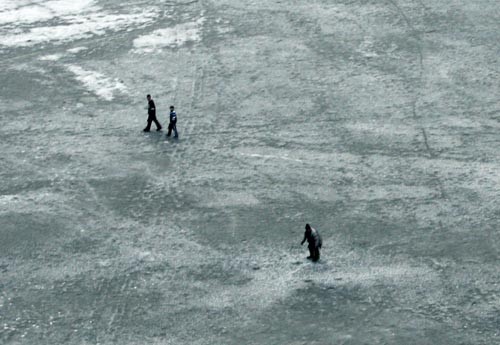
<point>377,122</point>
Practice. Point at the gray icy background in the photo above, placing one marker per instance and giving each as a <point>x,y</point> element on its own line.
<point>376,121</point>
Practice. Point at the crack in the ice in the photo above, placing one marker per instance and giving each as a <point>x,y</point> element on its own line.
<point>418,93</point>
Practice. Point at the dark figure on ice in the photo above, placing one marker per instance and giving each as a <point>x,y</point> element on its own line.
<point>151,115</point>
<point>173,123</point>
<point>314,240</point>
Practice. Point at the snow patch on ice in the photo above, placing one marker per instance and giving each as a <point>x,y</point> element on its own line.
<point>232,199</point>
<point>392,192</point>
<point>31,11</point>
<point>97,83</point>
<point>77,26</point>
<point>42,201</point>
<point>378,128</point>
<point>169,37</point>
<point>367,48</point>
<point>400,274</point>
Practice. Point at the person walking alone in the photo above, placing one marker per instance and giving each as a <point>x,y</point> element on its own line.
<point>314,242</point>
<point>151,115</point>
<point>173,123</point>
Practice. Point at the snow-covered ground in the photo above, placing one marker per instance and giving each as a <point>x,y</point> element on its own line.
<point>375,121</point>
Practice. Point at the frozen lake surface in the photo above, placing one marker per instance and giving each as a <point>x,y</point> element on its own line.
<point>375,121</point>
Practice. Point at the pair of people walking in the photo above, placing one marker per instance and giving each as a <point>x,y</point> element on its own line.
<point>172,126</point>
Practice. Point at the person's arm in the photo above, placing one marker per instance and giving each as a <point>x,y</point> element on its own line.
<point>301,243</point>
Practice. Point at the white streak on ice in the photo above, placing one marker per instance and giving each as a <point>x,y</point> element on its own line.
<point>52,57</point>
<point>76,50</point>
<point>169,37</point>
<point>256,155</point>
<point>55,57</point>
<point>97,83</point>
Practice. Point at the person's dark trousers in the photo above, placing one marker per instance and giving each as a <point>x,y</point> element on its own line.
<point>172,126</point>
<point>314,253</point>
<point>151,119</point>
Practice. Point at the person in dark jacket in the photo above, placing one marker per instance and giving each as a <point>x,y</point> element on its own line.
<point>314,242</point>
<point>151,115</point>
<point>173,123</point>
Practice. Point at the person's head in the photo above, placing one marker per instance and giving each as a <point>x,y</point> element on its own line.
<point>148,97</point>
<point>308,227</point>
<point>171,108</point>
